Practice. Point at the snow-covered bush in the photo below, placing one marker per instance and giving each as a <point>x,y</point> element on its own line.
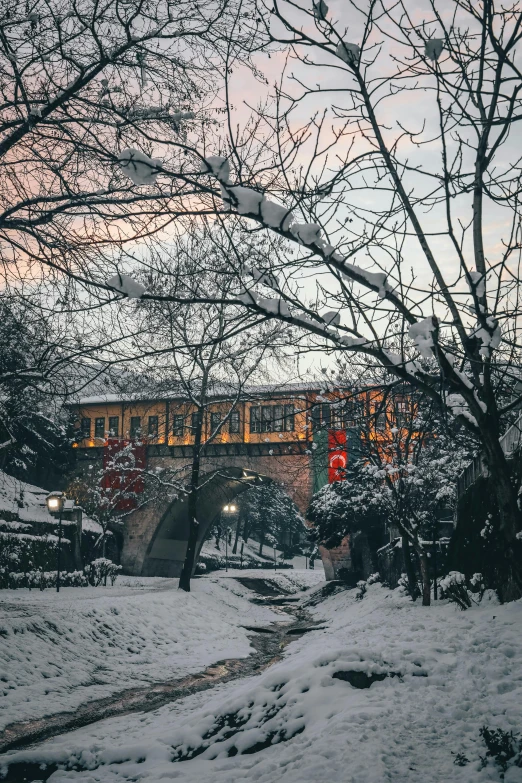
<point>404,586</point>
<point>40,580</point>
<point>362,587</point>
<point>373,578</point>
<point>459,591</point>
<point>100,570</point>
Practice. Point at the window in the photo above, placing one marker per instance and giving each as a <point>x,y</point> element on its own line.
<point>153,427</point>
<point>402,409</point>
<point>349,413</point>
<point>234,423</point>
<point>266,418</point>
<point>135,426</point>
<point>179,425</point>
<point>255,419</point>
<point>380,421</point>
<point>278,418</point>
<point>85,428</point>
<point>289,418</point>
<point>195,419</point>
<point>99,427</point>
<point>321,416</point>
<point>215,421</point>
<point>114,426</point>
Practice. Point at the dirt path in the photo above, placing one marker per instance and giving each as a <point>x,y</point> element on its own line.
<point>269,642</point>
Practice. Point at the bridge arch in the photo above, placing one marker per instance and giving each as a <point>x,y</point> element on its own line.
<point>165,553</point>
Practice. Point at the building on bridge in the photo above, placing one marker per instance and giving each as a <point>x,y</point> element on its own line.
<point>271,432</point>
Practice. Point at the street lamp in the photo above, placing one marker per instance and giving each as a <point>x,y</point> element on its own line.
<point>55,502</point>
<point>228,509</point>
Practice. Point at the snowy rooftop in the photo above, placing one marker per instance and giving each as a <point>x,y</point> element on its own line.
<point>220,391</point>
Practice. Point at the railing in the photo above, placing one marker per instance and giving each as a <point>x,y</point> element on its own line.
<point>510,442</point>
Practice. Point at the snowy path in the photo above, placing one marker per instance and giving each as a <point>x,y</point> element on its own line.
<point>268,643</point>
<point>301,720</point>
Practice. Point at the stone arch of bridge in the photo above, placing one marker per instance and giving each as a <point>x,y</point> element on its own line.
<point>165,553</point>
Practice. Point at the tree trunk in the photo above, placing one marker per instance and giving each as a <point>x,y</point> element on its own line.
<point>509,586</point>
<point>190,556</point>
<point>410,570</point>
<point>261,544</point>
<point>425,576</point>
<point>236,540</point>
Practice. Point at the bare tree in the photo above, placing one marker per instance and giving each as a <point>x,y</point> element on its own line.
<point>394,236</point>
<point>210,354</point>
<point>90,94</point>
<point>406,228</point>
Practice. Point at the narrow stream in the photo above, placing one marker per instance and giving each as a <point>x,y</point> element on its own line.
<point>269,643</point>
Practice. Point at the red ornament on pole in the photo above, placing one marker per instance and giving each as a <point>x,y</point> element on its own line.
<point>337,455</point>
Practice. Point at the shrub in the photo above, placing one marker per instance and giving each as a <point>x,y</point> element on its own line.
<point>100,570</point>
<point>40,580</point>
<point>459,591</point>
<point>502,746</point>
<point>361,590</point>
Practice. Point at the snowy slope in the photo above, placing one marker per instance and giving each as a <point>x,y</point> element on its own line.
<point>60,650</point>
<point>458,672</point>
<point>27,503</point>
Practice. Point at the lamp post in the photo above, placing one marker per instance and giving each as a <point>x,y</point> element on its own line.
<point>228,509</point>
<point>55,501</point>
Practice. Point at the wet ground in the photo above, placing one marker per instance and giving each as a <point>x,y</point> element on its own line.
<point>269,642</point>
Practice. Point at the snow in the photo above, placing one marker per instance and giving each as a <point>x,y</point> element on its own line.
<point>127,285</point>
<point>27,503</point>
<point>433,48</point>
<point>331,318</point>
<point>479,282</point>
<point>377,279</point>
<point>264,278</point>
<point>349,52</point>
<point>458,672</point>
<point>83,643</point>
<point>422,335</point>
<point>275,216</point>
<point>141,169</point>
<point>274,306</point>
<point>352,341</point>
<point>218,166</point>
<point>459,407</point>
<point>320,10</point>
<point>306,233</point>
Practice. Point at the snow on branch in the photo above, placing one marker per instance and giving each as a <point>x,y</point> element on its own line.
<point>127,285</point>
<point>141,169</point>
<point>422,335</point>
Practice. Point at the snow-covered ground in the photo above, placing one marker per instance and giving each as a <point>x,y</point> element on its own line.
<point>458,672</point>
<point>58,650</point>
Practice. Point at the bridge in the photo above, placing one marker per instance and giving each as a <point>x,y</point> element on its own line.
<point>272,435</point>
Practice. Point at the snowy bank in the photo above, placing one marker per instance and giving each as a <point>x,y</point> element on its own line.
<point>58,651</point>
<point>440,675</point>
